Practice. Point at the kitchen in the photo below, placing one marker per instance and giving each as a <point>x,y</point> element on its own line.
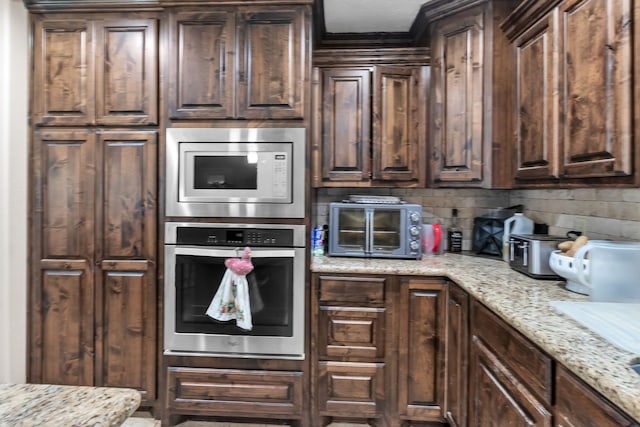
<point>600,212</point>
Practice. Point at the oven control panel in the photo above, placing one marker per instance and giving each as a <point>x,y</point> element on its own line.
<point>207,236</point>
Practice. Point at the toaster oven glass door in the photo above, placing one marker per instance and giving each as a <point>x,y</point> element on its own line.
<point>369,230</point>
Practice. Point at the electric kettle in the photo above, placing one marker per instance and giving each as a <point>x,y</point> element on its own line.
<point>614,270</point>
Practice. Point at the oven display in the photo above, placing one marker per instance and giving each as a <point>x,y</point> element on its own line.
<point>235,236</point>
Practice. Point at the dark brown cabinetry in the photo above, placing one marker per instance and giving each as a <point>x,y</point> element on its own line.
<point>92,318</point>
<point>369,123</point>
<point>379,352</point>
<point>574,93</point>
<point>471,87</point>
<point>510,379</point>
<point>100,70</point>
<point>578,405</point>
<point>457,360</point>
<point>421,349</point>
<point>239,62</point>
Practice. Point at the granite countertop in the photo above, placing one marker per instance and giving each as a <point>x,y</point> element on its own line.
<point>71,406</point>
<point>524,303</point>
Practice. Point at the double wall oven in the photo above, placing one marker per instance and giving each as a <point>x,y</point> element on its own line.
<point>229,177</point>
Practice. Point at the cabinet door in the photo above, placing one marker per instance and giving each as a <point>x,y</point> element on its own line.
<point>457,356</point>
<point>495,393</point>
<point>421,349</point>
<point>272,63</point>
<point>63,76</point>
<point>457,98</point>
<point>577,405</point>
<point>350,389</point>
<point>509,378</point>
<point>537,120</point>
<point>597,89</point>
<point>397,119</point>
<point>201,74</point>
<point>62,290</point>
<point>346,124</point>
<point>126,254</point>
<point>127,72</point>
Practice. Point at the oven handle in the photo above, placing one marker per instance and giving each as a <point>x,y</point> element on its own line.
<point>234,252</point>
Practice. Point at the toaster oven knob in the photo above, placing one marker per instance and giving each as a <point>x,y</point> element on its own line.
<point>414,231</point>
<point>414,217</point>
<point>414,245</point>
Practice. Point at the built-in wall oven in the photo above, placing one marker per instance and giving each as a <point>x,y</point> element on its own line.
<point>195,255</point>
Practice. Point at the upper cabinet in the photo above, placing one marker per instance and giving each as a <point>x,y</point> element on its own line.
<point>239,62</point>
<point>470,136</point>
<point>369,123</point>
<point>95,71</point>
<point>574,92</point>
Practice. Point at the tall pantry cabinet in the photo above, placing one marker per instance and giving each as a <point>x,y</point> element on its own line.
<point>94,112</point>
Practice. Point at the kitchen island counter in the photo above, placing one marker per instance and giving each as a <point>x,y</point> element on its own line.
<point>525,304</point>
<point>46,405</point>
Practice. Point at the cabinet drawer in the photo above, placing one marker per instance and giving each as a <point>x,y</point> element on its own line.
<point>578,405</point>
<point>351,389</point>
<point>531,365</point>
<point>364,290</point>
<point>356,332</point>
<point>230,391</point>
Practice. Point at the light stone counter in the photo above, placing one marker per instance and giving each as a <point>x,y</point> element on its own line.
<point>70,406</point>
<point>524,303</point>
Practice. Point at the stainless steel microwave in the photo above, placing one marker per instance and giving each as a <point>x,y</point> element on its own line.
<point>235,172</point>
<point>375,230</point>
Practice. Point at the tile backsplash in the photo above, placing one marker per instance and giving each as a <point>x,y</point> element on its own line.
<point>603,213</point>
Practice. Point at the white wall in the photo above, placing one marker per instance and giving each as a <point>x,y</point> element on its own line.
<point>14,48</point>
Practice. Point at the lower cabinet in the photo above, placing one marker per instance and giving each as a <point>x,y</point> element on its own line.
<point>577,405</point>
<point>510,380</point>
<point>457,360</point>
<point>234,389</point>
<point>378,351</point>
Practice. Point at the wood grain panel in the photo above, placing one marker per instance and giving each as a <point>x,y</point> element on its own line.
<point>64,171</point>
<point>66,341</point>
<point>128,194</point>
<point>526,360</point>
<point>201,82</point>
<point>421,349</point>
<point>597,88</point>
<point>537,137</point>
<point>346,124</point>
<point>271,63</point>
<point>63,72</point>
<point>396,123</point>
<point>351,332</point>
<point>125,327</point>
<point>457,99</point>
<point>127,72</point>
<point>233,392</point>
<point>457,371</point>
<point>354,290</point>
<point>354,388</point>
<point>577,405</point>
<point>497,394</point>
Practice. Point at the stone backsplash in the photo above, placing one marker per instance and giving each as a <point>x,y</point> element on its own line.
<point>600,213</point>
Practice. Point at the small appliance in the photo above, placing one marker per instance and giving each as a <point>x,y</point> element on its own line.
<point>488,230</point>
<point>529,254</point>
<point>236,172</point>
<point>376,228</point>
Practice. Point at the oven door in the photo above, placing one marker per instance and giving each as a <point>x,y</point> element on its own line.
<point>276,287</point>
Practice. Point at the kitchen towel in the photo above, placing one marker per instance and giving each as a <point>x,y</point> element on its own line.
<point>231,301</point>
